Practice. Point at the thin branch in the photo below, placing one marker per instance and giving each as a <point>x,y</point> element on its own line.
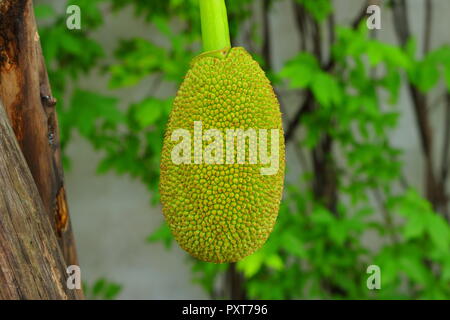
<point>316,39</point>
<point>157,82</point>
<point>446,147</point>
<point>420,107</point>
<point>266,52</point>
<point>361,15</point>
<point>404,182</point>
<point>301,157</point>
<point>401,21</point>
<point>427,28</point>
<point>356,21</point>
<point>331,30</point>
<point>386,215</point>
<point>401,26</point>
<point>437,101</point>
<point>293,124</point>
<point>248,33</point>
<point>300,18</point>
<point>266,46</point>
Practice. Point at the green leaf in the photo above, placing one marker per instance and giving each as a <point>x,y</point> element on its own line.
<point>274,261</point>
<point>411,264</point>
<point>137,59</point>
<point>414,227</point>
<point>161,234</point>
<point>325,89</point>
<point>292,244</point>
<point>374,53</point>
<point>322,216</point>
<point>439,232</point>
<point>90,110</point>
<point>71,43</point>
<point>99,286</point>
<point>338,232</point>
<point>112,291</point>
<point>103,289</point>
<point>147,111</point>
<point>250,265</point>
<point>43,11</point>
<point>411,48</point>
<point>319,9</point>
<point>395,56</point>
<point>446,268</point>
<point>300,70</point>
<point>392,82</point>
<point>425,75</point>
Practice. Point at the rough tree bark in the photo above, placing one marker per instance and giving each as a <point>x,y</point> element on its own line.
<point>30,107</point>
<point>27,98</point>
<point>31,262</point>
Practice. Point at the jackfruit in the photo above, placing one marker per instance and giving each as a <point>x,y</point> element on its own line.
<point>220,205</point>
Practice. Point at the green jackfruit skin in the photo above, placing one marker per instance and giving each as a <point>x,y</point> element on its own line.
<point>222,212</point>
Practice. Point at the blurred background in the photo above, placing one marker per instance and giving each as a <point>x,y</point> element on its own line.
<point>367,124</point>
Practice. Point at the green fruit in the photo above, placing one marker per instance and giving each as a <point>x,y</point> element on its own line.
<point>224,211</point>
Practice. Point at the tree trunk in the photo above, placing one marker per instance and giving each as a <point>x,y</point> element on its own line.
<point>31,263</point>
<point>235,289</point>
<point>27,98</point>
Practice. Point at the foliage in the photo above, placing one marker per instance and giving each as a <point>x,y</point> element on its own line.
<point>102,289</point>
<point>314,252</point>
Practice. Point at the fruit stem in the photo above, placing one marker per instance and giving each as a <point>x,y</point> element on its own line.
<point>215,33</point>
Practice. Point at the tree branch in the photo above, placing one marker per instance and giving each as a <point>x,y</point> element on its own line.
<point>386,215</point>
<point>266,52</point>
<point>361,15</point>
<point>305,107</point>
<point>446,145</point>
<point>235,281</point>
<point>401,21</point>
<point>300,18</point>
<point>427,28</point>
<point>331,31</point>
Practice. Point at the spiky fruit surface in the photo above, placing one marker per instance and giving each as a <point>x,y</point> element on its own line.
<point>222,212</point>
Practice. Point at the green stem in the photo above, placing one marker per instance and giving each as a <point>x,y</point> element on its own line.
<point>215,33</point>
